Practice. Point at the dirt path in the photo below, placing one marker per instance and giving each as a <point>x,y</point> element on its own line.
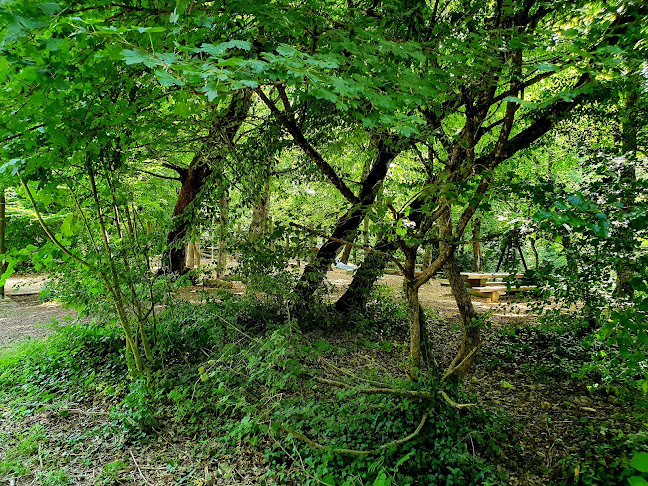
<point>23,316</point>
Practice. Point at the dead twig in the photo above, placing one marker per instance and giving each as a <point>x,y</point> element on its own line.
<point>137,466</point>
<point>453,403</point>
<point>355,377</point>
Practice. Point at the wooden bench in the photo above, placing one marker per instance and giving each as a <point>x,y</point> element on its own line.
<point>496,289</point>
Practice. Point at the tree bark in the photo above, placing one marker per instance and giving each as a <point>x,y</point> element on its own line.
<point>427,258</point>
<point>260,212</point>
<point>414,315</point>
<point>346,254</point>
<point>373,266</point>
<point>221,258</point>
<point>471,338</point>
<point>471,327</point>
<point>192,185</point>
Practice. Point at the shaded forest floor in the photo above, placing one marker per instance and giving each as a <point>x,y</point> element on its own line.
<point>557,430</point>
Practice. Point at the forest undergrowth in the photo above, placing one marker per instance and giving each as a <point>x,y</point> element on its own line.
<point>242,393</point>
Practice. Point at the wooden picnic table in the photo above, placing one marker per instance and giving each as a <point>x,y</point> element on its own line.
<point>479,279</point>
<point>492,290</point>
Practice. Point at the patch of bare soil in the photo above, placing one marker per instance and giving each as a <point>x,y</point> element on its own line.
<point>78,437</point>
<point>24,316</point>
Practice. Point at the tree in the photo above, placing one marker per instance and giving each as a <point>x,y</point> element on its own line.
<point>207,163</point>
<point>459,88</point>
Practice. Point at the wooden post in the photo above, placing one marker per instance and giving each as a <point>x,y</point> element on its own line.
<point>3,227</point>
<point>221,264</point>
<point>478,262</point>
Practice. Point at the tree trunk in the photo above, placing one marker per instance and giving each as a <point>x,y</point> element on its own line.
<point>260,212</point>
<point>356,295</point>
<point>470,321</point>
<point>347,225</point>
<point>196,177</point>
<point>469,318</point>
<point>414,315</point>
<point>208,160</point>
<point>347,253</point>
<point>627,176</point>
<point>315,272</point>
<point>221,258</point>
<point>427,258</point>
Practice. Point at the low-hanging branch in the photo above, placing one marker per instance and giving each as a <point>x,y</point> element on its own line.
<point>49,234</point>
<point>353,452</point>
<point>161,176</point>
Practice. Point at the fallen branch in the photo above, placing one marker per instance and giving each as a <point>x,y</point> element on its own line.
<point>394,392</point>
<point>353,452</point>
<point>378,391</point>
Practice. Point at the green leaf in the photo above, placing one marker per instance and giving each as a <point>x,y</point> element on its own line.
<point>249,83</point>
<point>70,225</point>
<point>640,461</point>
<point>286,50</point>
<point>211,90</point>
<point>166,79</point>
<point>546,67</point>
<point>542,215</point>
<point>329,479</point>
<point>141,30</point>
<point>133,56</point>
<point>637,481</point>
<point>382,480</point>
<point>14,164</point>
<point>324,94</point>
<point>402,460</point>
<point>220,49</point>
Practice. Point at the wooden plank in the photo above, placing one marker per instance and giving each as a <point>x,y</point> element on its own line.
<point>490,294</point>
<point>491,275</point>
<point>503,288</point>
